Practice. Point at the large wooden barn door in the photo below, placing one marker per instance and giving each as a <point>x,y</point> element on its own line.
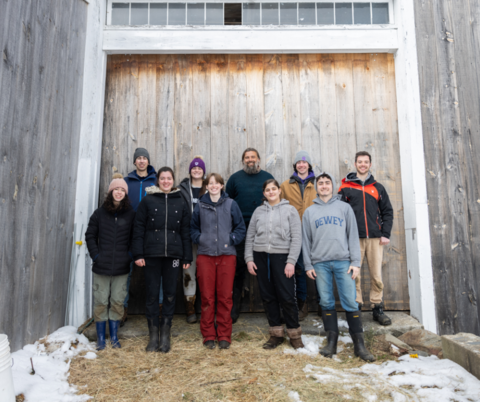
<point>178,106</point>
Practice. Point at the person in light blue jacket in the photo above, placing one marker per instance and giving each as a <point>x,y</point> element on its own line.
<point>331,248</point>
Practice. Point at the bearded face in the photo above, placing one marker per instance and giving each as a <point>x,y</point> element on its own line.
<point>251,167</point>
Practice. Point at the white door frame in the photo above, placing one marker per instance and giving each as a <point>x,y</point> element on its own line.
<point>399,39</point>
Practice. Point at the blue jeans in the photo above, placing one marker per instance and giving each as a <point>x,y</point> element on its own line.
<point>325,272</point>
<point>125,303</point>
<point>301,279</point>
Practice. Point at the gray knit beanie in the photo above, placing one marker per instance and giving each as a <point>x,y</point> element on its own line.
<point>141,152</point>
<point>302,156</point>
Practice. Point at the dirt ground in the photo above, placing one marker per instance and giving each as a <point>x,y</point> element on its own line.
<point>245,372</point>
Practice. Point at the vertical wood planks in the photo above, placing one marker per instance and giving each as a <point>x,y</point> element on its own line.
<point>217,105</point>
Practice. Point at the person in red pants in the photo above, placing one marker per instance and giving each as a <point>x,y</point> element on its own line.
<point>217,226</point>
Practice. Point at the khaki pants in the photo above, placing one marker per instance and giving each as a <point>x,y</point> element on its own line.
<point>104,287</point>
<point>372,249</point>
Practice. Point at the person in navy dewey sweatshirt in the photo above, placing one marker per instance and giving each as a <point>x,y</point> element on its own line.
<point>246,188</point>
<point>137,181</point>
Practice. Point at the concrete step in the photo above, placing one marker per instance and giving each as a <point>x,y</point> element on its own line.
<point>136,325</point>
<point>463,349</point>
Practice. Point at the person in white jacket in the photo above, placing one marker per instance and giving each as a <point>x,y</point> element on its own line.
<point>272,247</point>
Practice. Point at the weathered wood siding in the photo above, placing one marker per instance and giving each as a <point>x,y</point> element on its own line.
<point>41,64</point>
<point>448,38</point>
<point>217,105</point>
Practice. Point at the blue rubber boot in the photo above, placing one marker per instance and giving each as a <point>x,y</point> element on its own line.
<point>101,326</point>
<point>113,327</point>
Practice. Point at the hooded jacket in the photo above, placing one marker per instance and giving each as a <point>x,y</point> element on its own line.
<point>137,186</point>
<point>162,226</point>
<point>186,189</point>
<point>292,192</point>
<point>274,230</point>
<point>217,227</point>
<point>330,232</point>
<point>108,239</point>
<point>371,205</point>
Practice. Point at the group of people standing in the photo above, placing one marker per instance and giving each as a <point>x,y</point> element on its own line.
<point>215,234</point>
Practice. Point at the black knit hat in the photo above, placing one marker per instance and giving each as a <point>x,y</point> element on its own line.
<point>141,152</point>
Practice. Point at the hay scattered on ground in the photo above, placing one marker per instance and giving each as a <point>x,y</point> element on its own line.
<point>245,372</point>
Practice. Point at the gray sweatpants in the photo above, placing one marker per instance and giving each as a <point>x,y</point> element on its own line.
<point>104,287</point>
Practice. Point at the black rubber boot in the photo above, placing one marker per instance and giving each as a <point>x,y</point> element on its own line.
<point>113,327</point>
<point>153,333</point>
<point>165,325</point>
<point>237,301</point>
<point>380,316</point>
<point>101,327</point>
<point>356,332</point>
<point>330,323</point>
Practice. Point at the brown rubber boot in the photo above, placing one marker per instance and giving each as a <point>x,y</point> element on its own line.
<point>276,338</point>
<point>190,309</point>
<point>295,335</point>
<point>302,309</point>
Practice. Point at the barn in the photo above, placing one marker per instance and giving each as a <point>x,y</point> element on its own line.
<point>85,82</point>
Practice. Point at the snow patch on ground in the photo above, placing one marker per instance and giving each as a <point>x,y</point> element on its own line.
<point>426,379</point>
<point>313,344</point>
<point>293,395</point>
<point>51,364</point>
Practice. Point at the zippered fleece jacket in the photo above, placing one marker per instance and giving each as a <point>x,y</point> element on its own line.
<point>137,186</point>
<point>371,205</point>
<point>330,233</point>
<point>274,230</point>
<point>162,226</point>
<point>217,227</point>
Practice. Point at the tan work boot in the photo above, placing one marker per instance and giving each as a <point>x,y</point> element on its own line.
<point>190,309</point>
<point>302,309</point>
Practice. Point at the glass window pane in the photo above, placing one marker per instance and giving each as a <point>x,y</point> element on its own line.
<point>251,14</point>
<point>270,14</point>
<point>361,13</point>
<point>214,14</point>
<point>288,13</point>
<point>120,13</point>
<point>158,13</point>
<point>325,14</point>
<point>306,13</point>
<point>380,13</point>
<point>139,14</point>
<point>343,13</point>
<point>176,13</point>
<point>196,14</point>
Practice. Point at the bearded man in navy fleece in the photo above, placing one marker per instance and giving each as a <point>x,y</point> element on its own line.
<point>245,187</point>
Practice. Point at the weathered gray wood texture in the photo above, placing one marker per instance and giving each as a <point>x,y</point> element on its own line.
<point>217,105</point>
<point>448,38</point>
<point>41,66</point>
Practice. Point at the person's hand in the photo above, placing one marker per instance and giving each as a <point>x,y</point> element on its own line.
<point>311,274</point>
<point>289,270</point>
<point>140,262</point>
<point>252,268</point>
<point>186,266</point>
<point>354,270</point>
<point>384,241</point>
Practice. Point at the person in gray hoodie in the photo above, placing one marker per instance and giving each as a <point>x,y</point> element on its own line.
<point>331,248</point>
<point>272,247</point>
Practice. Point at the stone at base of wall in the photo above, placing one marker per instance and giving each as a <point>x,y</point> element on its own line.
<point>463,349</point>
<point>422,339</point>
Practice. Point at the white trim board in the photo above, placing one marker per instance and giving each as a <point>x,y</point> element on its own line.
<point>244,39</point>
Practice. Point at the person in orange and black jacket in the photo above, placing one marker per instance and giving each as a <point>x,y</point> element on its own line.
<point>374,214</point>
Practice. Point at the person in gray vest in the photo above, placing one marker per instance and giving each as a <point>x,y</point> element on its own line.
<point>217,226</point>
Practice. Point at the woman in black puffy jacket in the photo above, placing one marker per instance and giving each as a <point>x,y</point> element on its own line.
<point>108,238</point>
<point>161,244</point>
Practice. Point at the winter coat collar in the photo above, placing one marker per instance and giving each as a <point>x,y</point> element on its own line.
<point>296,178</point>
<point>205,199</point>
<point>352,177</point>
<point>150,174</point>
<point>157,190</point>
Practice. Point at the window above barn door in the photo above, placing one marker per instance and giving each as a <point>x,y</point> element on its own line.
<point>251,13</point>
